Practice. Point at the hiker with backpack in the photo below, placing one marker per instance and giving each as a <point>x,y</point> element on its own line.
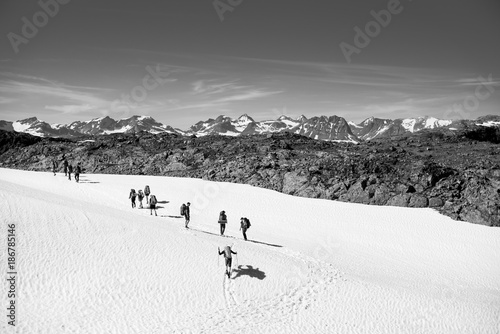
<point>54,166</point>
<point>147,191</point>
<point>245,225</point>
<point>152,204</point>
<point>78,170</point>
<point>227,251</point>
<point>222,221</point>
<point>185,213</point>
<point>140,196</point>
<point>70,170</point>
<point>65,165</point>
<point>132,196</point>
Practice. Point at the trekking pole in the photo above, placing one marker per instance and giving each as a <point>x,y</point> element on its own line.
<point>218,251</point>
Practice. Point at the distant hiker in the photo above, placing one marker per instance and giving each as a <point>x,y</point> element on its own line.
<point>185,213</point>
<point>132,196</point>
<point>54,166</point>
<point>245,225</point>
<point>140,196</point>
<point>65,165</point>
<point>70,170</point>
<point>152,204</point>
<point>147,192</point>
<point>222,221</point>
<point>227,251</point>
<point>78,170</point>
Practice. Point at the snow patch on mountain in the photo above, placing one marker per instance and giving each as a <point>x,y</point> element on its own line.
<point>352,124</point>
<point>20,126</point>
<point>489,124</point>
<point>409,124</point>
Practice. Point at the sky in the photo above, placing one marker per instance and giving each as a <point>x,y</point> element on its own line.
<point>183,61</point>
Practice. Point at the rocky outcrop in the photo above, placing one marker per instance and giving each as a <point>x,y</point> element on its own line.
<point>447,171</point>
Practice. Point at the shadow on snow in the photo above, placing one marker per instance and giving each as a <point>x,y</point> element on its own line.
<point>230,236</point>
<point>249,271</point>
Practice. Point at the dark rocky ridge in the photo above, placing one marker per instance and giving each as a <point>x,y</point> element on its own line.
<point>455,172</point>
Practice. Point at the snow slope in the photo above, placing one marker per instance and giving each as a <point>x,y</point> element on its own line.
<point>89,263</point>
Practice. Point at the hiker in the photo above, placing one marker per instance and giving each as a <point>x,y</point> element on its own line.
<point>65,164</point>
<point>147,192</point>
<point>222,221</point>
<point>152,204</point>
<point>70,170</point>
<point>54,166</point>
<point>245,225</point>
<point>227,251</point>
<point>78,170</point>
<point>185,213</point>
<point>140,196</point>
<point>132,197</point>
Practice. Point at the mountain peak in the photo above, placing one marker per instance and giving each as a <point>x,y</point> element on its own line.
<point>284,117</point>
<point>100,119</point>
<point>368,121</point>
<point>302,118</point>
<point>221,118</point>
<point>245,118</point>
<point>28,120</point>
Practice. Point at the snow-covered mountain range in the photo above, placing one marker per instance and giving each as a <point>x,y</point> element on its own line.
<point>321,128</point>
<point>96,126</point>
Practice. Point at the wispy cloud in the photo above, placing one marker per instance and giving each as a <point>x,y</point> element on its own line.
<point>485,81</point>
<point>66,93</point>
<point>208,88</point>
<point>72,109</point>
<point>246,96</point>
<point>15,84</point>
<point>233,91</point>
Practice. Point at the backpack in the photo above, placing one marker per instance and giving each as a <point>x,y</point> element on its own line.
<point>132,193</point>
<point>140,194</point>
<point>183,209</point>
<point>222,216</point>
<point>247,221</point>
<point>152,200</point>
<point>146,190</point>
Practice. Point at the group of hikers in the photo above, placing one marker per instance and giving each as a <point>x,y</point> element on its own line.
<point>244,224</point>
<point>150,199</point>
<point>185,211</point>
<point>68,169</point>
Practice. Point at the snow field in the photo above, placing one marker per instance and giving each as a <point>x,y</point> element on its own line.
<point>89,263</point>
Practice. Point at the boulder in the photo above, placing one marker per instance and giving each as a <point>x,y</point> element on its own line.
<point>435,202</point>
<point>418,201</point>
<point>399,200</point>
<point>293,182</point>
